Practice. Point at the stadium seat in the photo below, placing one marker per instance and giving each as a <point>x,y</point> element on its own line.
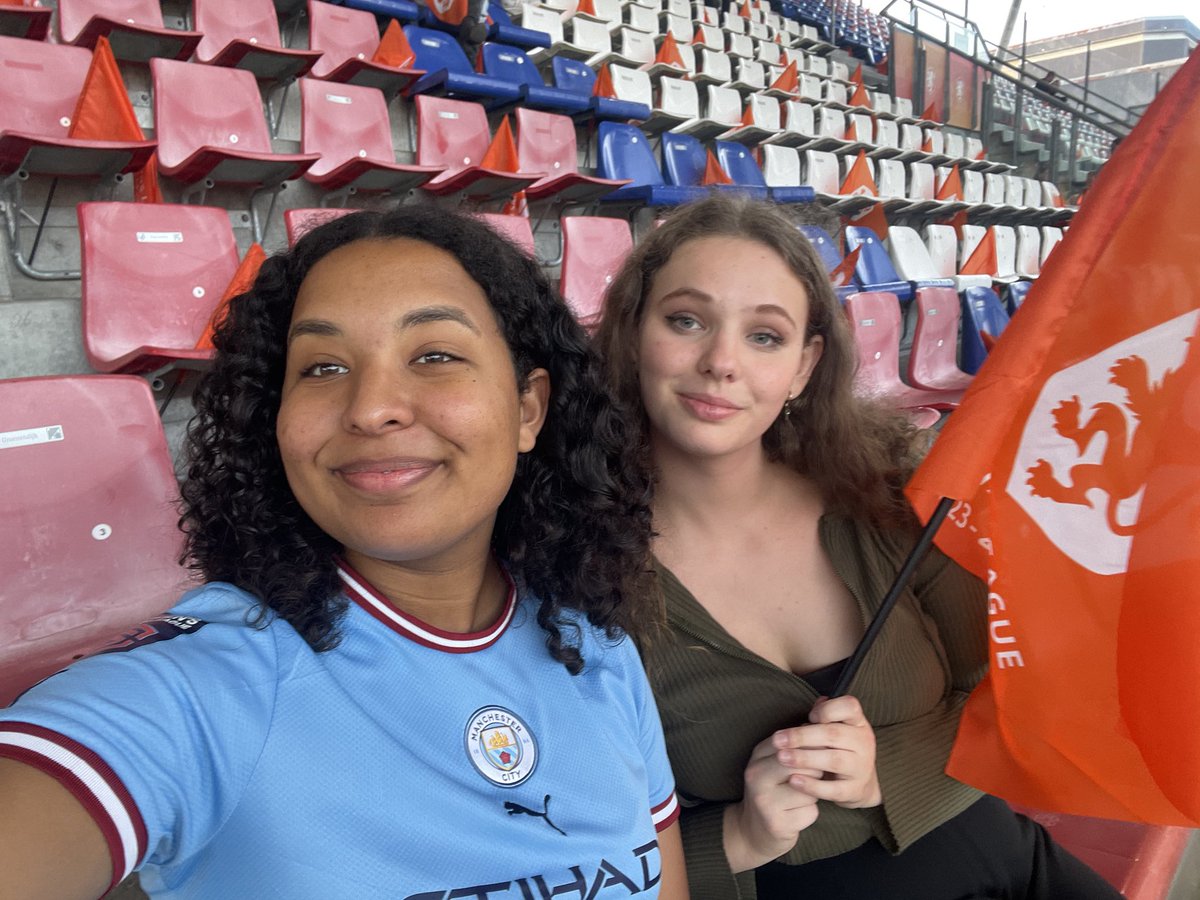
<point>511,64</point>
<point>515,228</point>
<point>298,221</point>
<point>448,72</point>
<point>88,536</point>
<point>875,323</point>
<point>347,39</point>
<point>244,34</point>
<point>827,249</point>
<point>933,362</point>
<point>38,95</point>
<point>625,154</point>
<point>593,250</point>
<point>799,125</point>
<point>1014,295</point>
<point>546,143</point>
<point>874,271</point>
<point>1050,238</point>
<point>942,244</point>
<point>983,314</point>
<point>580,78</point>
<point>912,259</point>
<point>152,276</point>
<point>25,19</point>
<point>454,135</point>
<point>134,28</point>
<point>1029,252</point>
<point>722,111</point>
<point>685,161</point>
<point>760,121</point>
<point>1006,253</point>
<point>504,31</point>
<point>347,127</point>
<point>739,164</point>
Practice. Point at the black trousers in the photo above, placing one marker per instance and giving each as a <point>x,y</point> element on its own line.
<point>987,851</point>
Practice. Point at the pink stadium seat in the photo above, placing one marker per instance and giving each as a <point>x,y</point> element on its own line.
<point>546,143</point>
<point>88,535</point>
<point>152,276</point>
<point>933,363</point>
<point>133,27</point>
<point>347,39</point>
<point>594,248</point>
<point>299,222</point>
<point>875,323</point>
<point>347,126</point>
<point>515,228</point>
<point>454,134</point>
<point>244,34</point>
<point>39,89</point>
<point>25,19</point>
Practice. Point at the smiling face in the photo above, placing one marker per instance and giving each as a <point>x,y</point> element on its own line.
<point>401,417</point>
<point>722,347</point>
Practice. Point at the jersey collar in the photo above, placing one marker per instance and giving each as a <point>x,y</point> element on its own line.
<point>359,590</point>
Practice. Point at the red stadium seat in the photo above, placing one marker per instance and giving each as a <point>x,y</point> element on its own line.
<point>244,34</point>
<point>348,39</point>
<point>546,143</point>
<point>454,134</point>
<point>25,19</point>
<point>133,27</point>
<point>152,276</point>
<point>875,323</point>
<point>515,228</point>
<point>933,363</point>
<point>88,535</point>
<point>594,248</point>
<point>299,222</point>
<point>348,127</point>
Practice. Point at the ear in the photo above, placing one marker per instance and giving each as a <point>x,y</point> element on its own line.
<point>809,357</point>
<point>535,401</point>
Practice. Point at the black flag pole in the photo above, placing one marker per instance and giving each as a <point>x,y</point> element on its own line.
<point>902,579</point>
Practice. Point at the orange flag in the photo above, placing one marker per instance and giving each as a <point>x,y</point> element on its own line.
<point>744,11</point>
<point>857,78</point>
<point>860,96</point>
<point>604,85</point>
<point>394,49</point>
<point>501,155</point>
<point>957,221</point>
<point>930,112</point>
<point>982,260</point>
<point>713,173</point>
<point>951,188</point>
<point>452,12</point>
<point>748,116</point>
<point>517,206</point>
<point>103,113</point>
<point>1075,461</point>
<point>668,53</point>
<point>874,218</point>
<point>587,7</point>
<point>859,182</point>
<point>242,281</point>
<point>788,80</point>
<point>842,274</point>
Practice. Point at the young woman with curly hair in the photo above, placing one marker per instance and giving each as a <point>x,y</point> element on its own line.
<point>780,524</point>
<point>422,538</point>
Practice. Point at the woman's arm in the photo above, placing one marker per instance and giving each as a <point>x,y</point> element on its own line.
<point>50,847</point>
<point>674,884</point>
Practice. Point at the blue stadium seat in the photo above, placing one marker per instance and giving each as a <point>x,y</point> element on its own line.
<point>625,154</point>
<point>1015,295</point>
<point>874,271</point>
<point>739,164</point>
<point>503,30</point>
<point>827,249</point>
<point>684,162</point>
<point>449,73</point>
<point>580,78</point>
<point>983,313</point>
<point>510,64</point>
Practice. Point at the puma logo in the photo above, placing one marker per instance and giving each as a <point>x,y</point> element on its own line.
<point>516,809</point>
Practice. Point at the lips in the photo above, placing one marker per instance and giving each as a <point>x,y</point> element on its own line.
<point>385,475</point>
<point>709,407</point>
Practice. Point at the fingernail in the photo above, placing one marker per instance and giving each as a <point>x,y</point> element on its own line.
<point>780,739</point>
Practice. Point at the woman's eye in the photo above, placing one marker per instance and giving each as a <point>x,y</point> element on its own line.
<point>765,339</point>
<point>322,370</point>
<point>435,356</point>
<point>683,322</point>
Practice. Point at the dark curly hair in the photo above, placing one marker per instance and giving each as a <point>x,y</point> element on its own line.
<point>574,528</point>
<point>858,452</point>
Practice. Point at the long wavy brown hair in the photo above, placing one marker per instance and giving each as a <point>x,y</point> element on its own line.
<point>858,452</point>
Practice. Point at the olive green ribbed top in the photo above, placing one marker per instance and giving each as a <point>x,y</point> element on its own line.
<point>718,700</point>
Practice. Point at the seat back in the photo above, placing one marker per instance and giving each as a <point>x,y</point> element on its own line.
<point>910,254</point>
<point>824,245</point>
<point>205,106</point>
<point>874,265</point>
<point>594,248</point>
<point>714,63</point>
<point>515,228</point>
<point>684,160</point>
<point>589,35</point>
<point>631,85</point>
<point>835,92</point>
<point>800,118</point>
<point>934,356</point>
<point>972,235</point>
<point>831,122</point>
<point>1050,238</point>
<point>340,33</point>
<point>875,323</point>
<point>1015,295</point>
<point>955,145</point>
<point>942,244</point>
<point>781,166</point>
<point>642,18</point>
<point>983,313</point>
<point>739,164</point>
<point>821,171</point>
<point>546,143</point>
<point>539,18</point>
<point>451,133</point>
<point>74,15</point>
<point>973,187</point>
<point>88,534</point>
<point>678,97</point>
<point>343,122</point>
<point>510,64</point>
<point>151,276</point>
<point>993,188</point>
<point>887,133</point>
<point>573,75</point>
<point>1006,251</point>
<point>225,21</point>
<point>298,221</point>
<point>764,111</point>
<point>1029,248</point>
<point>435,50</point>
<point>891,178</point>
<point>624,153</point>
<point>1014,190</point>
<point>752,73</point>
<point>724,105</point>
<point>40,86</point>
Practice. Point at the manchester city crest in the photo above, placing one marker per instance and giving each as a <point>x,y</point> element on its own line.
<point>500,746</point>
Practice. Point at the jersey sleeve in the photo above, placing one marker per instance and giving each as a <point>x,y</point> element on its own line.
<point>157,734</point>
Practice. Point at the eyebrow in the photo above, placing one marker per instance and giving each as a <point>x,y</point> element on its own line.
<point>420,316</point>
<point>707,298</point>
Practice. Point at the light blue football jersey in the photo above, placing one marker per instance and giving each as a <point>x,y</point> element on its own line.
<point>226,761</point>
